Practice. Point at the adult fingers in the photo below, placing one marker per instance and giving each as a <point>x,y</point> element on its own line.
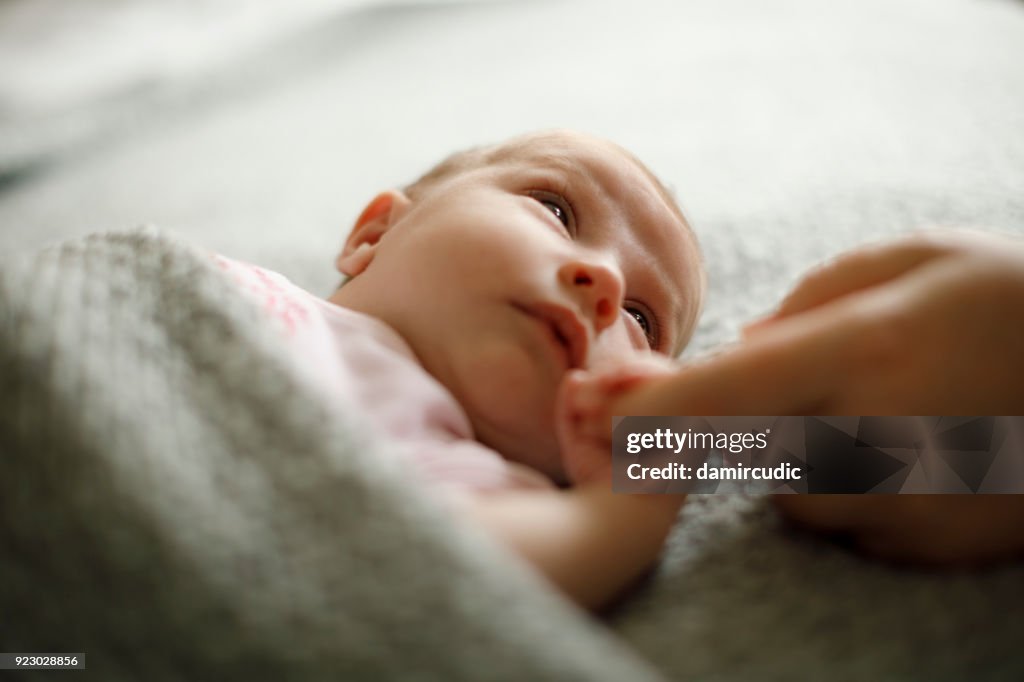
<point>860,353</point>
<point>796,367</point>
<point>916,529</point>
<point>845,512</point>
<point>877,264</point>
<point>860,269</point>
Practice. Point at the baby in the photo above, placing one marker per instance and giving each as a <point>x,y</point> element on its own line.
<point>471,297</point>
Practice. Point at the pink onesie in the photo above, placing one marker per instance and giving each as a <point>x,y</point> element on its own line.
<point>361,358</point>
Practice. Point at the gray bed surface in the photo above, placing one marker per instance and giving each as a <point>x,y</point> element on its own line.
<point>789,131</point>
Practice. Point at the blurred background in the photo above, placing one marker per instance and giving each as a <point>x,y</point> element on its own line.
<point>789,129</point>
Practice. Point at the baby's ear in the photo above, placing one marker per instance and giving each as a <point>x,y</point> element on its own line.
<point>376,219</point>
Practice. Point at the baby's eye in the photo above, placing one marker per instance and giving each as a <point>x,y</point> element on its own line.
<point>557,210</point>
<point>647,326</point>
<point>558,205</point>
<point>560,213</point>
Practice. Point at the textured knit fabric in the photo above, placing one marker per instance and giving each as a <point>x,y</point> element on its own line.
<point>357,359</point>
<point>178,502</point>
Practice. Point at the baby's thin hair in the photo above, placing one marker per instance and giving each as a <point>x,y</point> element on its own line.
<point>450,166</point>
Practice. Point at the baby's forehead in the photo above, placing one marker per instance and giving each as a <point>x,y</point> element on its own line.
<point>563,148</point>
<point>574,152</point>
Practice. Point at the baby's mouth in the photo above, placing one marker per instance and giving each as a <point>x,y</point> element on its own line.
<point>565,328</point>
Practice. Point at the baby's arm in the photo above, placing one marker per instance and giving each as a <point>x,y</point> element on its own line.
<point>590,542</point>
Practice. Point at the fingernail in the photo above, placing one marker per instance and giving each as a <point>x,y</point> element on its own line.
<point>758,323</point>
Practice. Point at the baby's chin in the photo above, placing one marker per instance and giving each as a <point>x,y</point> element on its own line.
<point>540,453</point>
<point>517,421</point>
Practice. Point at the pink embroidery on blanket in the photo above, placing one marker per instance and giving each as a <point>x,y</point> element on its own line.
<point>275,299</point>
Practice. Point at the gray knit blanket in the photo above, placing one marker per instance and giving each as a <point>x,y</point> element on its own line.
<point>178,505</point>
<point>174,501</point>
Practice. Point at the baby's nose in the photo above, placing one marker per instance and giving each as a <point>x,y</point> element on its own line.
<point>597,287</point>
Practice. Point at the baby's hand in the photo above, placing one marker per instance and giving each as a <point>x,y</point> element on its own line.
<point>586,404</point>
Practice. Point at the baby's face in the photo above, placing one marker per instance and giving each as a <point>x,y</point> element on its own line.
<point>564,253</point>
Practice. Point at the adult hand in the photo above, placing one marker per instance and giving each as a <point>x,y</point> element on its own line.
<point>927,325</point>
